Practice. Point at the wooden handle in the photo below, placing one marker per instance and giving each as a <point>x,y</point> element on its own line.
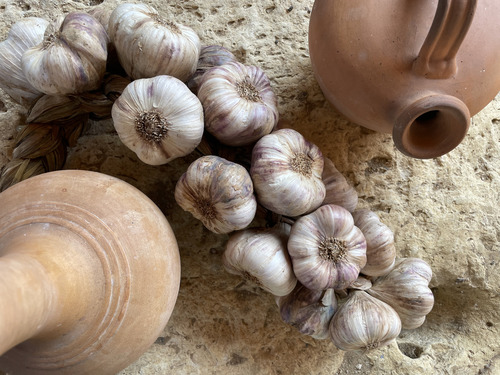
<point>437,57</point>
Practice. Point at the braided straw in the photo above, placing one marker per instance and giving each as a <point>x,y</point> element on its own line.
<point>54,124</point>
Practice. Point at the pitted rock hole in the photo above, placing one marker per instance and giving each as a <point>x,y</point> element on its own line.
<point>410,350</point>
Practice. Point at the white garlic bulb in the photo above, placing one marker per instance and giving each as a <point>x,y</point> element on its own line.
<point>286,170</point>
<point>406,289</point>
<point>364,323</point>
<point>310,311</point>
<point>210,56</point>
<point>338,190</point>
<point>23,35</point>
<point>327,250</point>
<point>159,119</point>
<point>217,192</point>
<point>380,248</point>
<point>260,256</point>
<point>240,106</point>
<point>72,57</point>
<point>147,45</point>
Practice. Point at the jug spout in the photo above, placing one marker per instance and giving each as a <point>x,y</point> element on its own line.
<point>431,126</point>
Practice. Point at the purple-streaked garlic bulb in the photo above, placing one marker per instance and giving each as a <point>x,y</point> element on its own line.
<point>310,311</point>
<point>217,192</point>
<point>286,170</point>
<point>363,323</point>
<point>149,45</point>
<point>23,35</point>
<point>158,118</point>
<point>260,256</point>
<point>338,190</point>
<point>406,289</point>
<point>380,248</point>
<point>210,56</point>
<point>71,58</point>
<point>239,103</point>
<point>327,250</point>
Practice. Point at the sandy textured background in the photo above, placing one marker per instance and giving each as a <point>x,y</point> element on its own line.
<point>444,211</point>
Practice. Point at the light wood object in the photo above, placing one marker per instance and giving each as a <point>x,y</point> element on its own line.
<point>89,274</point>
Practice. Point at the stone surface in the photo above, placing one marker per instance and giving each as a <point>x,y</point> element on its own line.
<point>443,210</point>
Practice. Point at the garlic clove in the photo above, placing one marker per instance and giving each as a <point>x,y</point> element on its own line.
<point>148,46</point>
<point>260,256</point>
<point>286,170</point>
<point>406,289</point>
<point>210,56</point>
<point>338,190</point>
<point>159,119</point>
<point>380,248</point>
<point>240,106</point>
<point>361,283</point>
<point>71,59</point>
<point>23,35</point>
<point>364,323</point>
<point>327,250</point>
<point>310,311</point>
<point>217,192</point>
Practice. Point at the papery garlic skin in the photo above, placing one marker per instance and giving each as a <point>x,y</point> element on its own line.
<point>380,248</point>
<point>286,170</point>
<point>23,35</point>
<point>406,289</point>
<point>260,256</point>
<point>148,46</point>
<point>239,103</point>
<point>338,190</point>
<point>71,59</point>
<point>217,192</point>
<point>210,56</point>
<point>327,250</point>
<point>364,323</point>
<point>159,119</point>
<point>310,311</point>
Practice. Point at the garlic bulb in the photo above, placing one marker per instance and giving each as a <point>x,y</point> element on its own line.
<point>286,172</point>
<point>327,250</point>
<point>310,311</point>
<point>260,256</point>
<point>217,192</point>
<point>101,14</point>
<point>363,323</point>
<point>240,106</point>
<point>148,45</point>
<point>338,190</point>
<point>406,289</point>
<point>210,56</point>
<point>71,59</point>
<point>380,249</point>
<point>159,119</point>
<point>23,35</point>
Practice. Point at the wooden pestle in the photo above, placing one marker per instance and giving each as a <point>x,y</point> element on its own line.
<point>89,274</point>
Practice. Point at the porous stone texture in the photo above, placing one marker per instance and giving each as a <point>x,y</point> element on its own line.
<point>443,210</point>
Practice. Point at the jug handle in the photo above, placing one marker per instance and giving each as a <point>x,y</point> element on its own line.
<point>452,20</point>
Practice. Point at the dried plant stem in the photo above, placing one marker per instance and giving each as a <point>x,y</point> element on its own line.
<point>56,123</point>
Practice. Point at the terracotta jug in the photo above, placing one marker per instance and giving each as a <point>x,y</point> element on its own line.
<point>89,274</point>
<point>416,69</point>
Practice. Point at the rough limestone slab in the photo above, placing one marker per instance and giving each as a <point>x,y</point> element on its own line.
<point>443,210</point>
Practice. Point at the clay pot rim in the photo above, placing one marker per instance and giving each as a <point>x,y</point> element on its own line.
<point>431,126</point>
